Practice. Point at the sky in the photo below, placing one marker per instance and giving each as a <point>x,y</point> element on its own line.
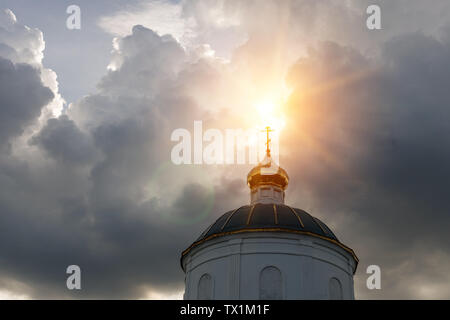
<point>86,118</point>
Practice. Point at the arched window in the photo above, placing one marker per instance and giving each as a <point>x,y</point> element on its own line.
<point>335,289</point>
<point>205,287</point>
<point>270,284</point>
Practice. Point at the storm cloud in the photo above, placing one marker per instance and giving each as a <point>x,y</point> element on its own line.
<point>22,96</point>
<point>377,132</point>
<point>366,146</point>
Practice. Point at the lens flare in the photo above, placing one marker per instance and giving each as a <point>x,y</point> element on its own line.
<point>270,115</point>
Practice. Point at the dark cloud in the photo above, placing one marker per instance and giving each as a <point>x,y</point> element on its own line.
<point>368,153</point>
<point>22,97</point>
<point>374,140</point>
<point>64,141</point>
<point>100,215</point>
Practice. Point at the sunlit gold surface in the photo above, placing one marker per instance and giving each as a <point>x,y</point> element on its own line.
<point>279,178</point>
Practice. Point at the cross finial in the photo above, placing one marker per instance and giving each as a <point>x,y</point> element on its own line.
<point>267,130</point>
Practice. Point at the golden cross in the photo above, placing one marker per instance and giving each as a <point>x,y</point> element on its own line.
<point>268,140</point>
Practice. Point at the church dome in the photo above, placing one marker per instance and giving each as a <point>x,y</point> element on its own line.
<point>261,217</point>
<point>268,250</point>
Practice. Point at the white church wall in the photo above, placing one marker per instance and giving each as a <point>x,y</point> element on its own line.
<point>234,262</point>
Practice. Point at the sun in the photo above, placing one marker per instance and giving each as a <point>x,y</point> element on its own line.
<point>270,114</point>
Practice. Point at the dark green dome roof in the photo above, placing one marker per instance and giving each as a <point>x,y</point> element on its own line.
<point>268,218</point>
